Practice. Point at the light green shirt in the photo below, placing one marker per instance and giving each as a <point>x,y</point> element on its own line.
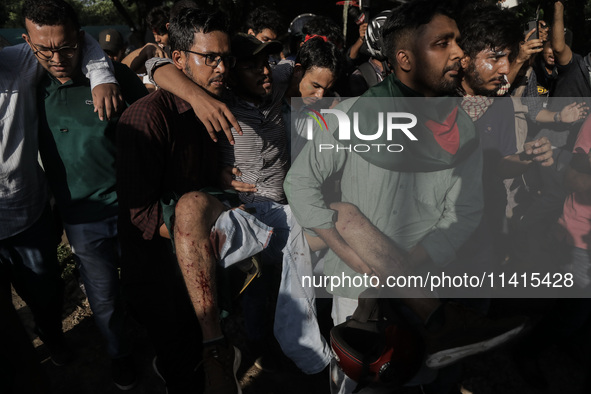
<point>438,209</point>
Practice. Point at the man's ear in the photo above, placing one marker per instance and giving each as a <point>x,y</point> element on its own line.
<point>25,37</point>
<point>179,59</point>
<point>404,60</point>
<point>251,32</point>
<point>81,36</point>
<point>167,25</point>
<point>298,72</point>
<point>465,62</point>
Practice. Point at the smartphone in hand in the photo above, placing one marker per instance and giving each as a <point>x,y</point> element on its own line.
<point>533,25</point>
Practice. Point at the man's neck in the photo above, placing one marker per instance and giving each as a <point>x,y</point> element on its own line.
<point>468,91</point>
<point>75,74</point>
<point>250,99</point>
<point>293,91</point>
<point>549,69</point>
<point>409,83</point>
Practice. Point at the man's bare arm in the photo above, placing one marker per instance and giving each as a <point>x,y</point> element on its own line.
<point>335,241</point>
<point>562,51</point>
<point>527,49</point>
<point>136,60</point>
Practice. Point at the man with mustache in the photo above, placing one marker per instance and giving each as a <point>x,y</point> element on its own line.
<point>422,203</point>
<point>545,69</point>
<point>78,154</point>
<point>255,100</point>
<point>490,39</point>
<point>28,258</point>
<point>259,161</point>
<point>165,155</point>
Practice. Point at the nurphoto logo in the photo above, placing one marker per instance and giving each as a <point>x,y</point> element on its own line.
<point>390,122</point>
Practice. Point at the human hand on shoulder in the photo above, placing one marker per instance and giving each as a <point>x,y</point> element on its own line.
<point>107,99</point>
<point>215,115</point>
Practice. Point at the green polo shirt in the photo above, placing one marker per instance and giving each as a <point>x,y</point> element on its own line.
<point>78,149</point>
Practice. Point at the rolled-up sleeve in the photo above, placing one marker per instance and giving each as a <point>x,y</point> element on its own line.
<point>96,65</point>
<point>305,178</point>
<point>152,64</point>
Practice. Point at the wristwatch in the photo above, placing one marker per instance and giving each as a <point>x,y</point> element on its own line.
<point>557,117</point>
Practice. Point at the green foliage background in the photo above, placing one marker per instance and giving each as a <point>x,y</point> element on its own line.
<point>133,12</point>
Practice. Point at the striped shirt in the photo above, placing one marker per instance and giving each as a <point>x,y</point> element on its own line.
<point>261,152</point>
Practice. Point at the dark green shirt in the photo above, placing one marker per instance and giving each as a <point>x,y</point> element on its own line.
<point>78,149</point>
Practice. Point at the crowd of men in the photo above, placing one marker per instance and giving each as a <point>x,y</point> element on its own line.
<point>221,170</point>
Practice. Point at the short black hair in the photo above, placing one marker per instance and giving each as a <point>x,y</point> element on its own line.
<point>489,27</point>
<point>407,18</point>
<point>182,29</point>
<point>50,13</point>
<point>158,18</point>
<point>318,53</point>
<point>262,18</point>
<point>181,5</point>
<point>326,27</point>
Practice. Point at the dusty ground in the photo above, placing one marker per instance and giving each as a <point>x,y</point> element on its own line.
<point>565,367</point>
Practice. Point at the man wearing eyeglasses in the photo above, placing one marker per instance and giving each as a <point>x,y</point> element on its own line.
<point>165,156</point>
<point>27,248</point>
<point>78,153</point>
<point>259,161</point>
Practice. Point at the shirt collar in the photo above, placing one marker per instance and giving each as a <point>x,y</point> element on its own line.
<point>78,79</point>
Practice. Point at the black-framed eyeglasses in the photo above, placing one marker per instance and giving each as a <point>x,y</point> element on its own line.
<point>46,54</point>
<point>213,60</point>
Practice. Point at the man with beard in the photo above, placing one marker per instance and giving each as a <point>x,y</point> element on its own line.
<point>255,100</point>
<point>78,154</point>
<point>419,208</point>
<point>166,168</point>
<point>258,161</point>
<point>545,69</point>
<point>164,153</point>
<point>490,39</point>
<point>488,54</point>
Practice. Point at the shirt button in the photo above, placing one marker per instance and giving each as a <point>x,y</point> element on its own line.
<point>64,130</point>
<point>395,212</point>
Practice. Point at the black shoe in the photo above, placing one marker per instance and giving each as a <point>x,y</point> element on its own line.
<point>221,361</point>
<point>123,372</point>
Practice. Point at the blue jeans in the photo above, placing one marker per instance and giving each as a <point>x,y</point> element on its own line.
<point>296,324</point>
<point>96,249</point>
<point>30,260</point>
